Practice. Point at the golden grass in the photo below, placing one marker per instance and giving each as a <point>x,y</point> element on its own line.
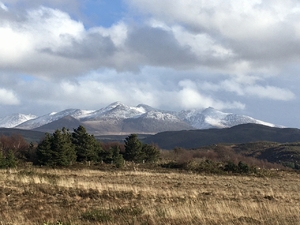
<point>51,196</point>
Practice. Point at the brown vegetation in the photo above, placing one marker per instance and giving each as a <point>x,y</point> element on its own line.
<point>218,184</point>
<point>143,196</point>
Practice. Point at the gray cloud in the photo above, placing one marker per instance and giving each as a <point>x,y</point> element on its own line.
<point>180,54</point>
<point>261,33</point>
<point>159,47</point>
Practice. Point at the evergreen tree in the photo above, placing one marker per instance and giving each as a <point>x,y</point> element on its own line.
<point>2,160</point>
<point>63,148</point>
<point>86,146</point>
<point>11,160</point>
<point>105,155</point>
<point>43,151</point>
<point>117,158</point>
<point>151,153</point>
<point>57,149</point>
<point>133,149</point>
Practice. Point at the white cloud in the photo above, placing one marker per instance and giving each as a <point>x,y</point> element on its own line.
<point>189,35</point>
<point>252,34</point>
<point>3,7</point>
<point>117,33</point>
<point>190,97</point>
<point>250,89</point>
<point>270,92</point>
<point>8,97</point>
<point>23,42</point>
<point>201,53</point>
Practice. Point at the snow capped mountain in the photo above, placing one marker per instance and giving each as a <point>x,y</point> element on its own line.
<point>14,120</point>
<point>212,118</point>
<point>117,110</point>
<point>118,118</point>
<point>163,116</point>
<point>50,117</point>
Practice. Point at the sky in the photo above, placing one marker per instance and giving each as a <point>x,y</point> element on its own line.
<point>236,56</point>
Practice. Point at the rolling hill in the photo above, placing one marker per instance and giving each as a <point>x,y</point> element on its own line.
<point>244,133</point>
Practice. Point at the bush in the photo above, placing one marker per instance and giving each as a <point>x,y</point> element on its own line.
<point>231,167</point>
<point>243,167</point>
<point>240,168</point>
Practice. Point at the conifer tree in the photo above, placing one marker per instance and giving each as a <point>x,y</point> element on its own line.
<point>2,160</point>
<point>57,149</point>
<point>105,155</point>
<point>86,146</point>
<point>133,149</point>
<point>11,160</point>
<point>151,153</point>
<point>63,148</point>
<point>43,151</point>
<point>117,158</point>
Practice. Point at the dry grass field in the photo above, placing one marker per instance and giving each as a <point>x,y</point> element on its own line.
<point>61,197</point>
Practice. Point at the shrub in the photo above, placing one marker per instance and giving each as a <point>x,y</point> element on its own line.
<point>243,167</point>
<point>231,167</point>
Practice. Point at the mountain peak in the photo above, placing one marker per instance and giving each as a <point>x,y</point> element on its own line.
<point>210,109</point>
<point>118,116</point>
<point>115,104</point>
<point>146,107</point>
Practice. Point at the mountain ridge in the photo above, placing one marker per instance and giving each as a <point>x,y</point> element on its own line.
<point>119,118</point>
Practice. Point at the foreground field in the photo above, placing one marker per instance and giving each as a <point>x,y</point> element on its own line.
<point>47,196</point>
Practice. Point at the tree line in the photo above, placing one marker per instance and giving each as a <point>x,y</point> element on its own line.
<point>64,148</point>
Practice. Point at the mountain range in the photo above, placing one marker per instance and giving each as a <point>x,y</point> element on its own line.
<point>118,118</point>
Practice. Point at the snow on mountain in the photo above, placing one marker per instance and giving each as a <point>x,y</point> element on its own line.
<point>147,108</point>
<point>163,116</point>
<point>117,110</point>
<point>212,118</point>
<point>15,120</point>
<point>197,119</point>
<point>53,116</point>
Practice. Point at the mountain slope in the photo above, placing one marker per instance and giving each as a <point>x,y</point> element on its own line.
<point>116,110</point>
<point>154,122</point>
<point>15,119</point>
<point>54,116</point>
<point>68,122</point>
<point>238,134</point>
<point>212,118</point>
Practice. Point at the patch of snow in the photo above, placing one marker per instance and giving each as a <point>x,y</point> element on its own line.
<point>15,119</point>
<point>199,119</point>
<point>161,116</point>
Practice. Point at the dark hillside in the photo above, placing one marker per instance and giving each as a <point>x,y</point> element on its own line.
<point>286,154</point>
<point>28,135</point>
<point>244,133</point>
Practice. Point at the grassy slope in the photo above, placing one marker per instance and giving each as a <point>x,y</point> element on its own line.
<point>45,196</point>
